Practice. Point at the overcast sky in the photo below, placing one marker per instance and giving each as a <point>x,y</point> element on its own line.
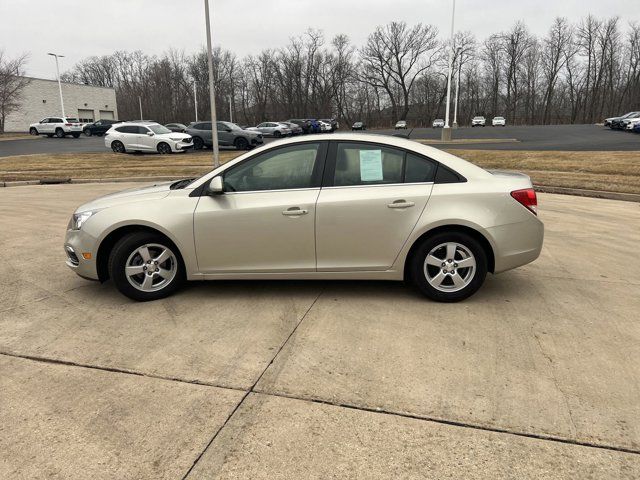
<point>80,29</point>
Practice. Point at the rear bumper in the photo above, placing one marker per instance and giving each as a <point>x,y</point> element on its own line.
<point>517,244</point>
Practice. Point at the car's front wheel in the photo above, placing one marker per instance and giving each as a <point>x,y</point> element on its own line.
<point>164,148</point>
<point>241,143</point>
<point>448,267</point>
<point>33,131</point>
<point>198,143</point>
<point>87,132</point>
<point>146,266</point>
<point>277,134</point>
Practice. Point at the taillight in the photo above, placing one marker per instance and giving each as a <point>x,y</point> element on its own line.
<point>68,124</point>
<point>527,198</point>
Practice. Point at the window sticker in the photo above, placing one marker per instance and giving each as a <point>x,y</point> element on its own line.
<point>371,165</point>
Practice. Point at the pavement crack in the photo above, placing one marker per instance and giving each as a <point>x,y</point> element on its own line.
<point>555,381</point>
<point>251,389</point>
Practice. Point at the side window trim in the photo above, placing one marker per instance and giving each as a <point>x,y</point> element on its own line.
<point>316,176</point>
<point>330,167</point>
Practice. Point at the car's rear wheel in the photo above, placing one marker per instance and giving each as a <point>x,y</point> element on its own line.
<point>164,148</point>
<point>117,146</point>
<point>448,267</point>
<point>146,266</point>
<point>241,143</point>
<point>59,133</point>
<point>198,143</point>
<point>277,134</point>
<point>87,132</point>
<point>33,131</point>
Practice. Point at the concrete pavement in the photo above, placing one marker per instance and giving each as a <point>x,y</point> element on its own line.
<point>534,377</point>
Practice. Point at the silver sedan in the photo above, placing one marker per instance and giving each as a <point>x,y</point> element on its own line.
<point>345,206</point>
<point>272,129</point>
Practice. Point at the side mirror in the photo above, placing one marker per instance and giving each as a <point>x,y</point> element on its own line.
<point>151,134</point>
<point>216,186</point>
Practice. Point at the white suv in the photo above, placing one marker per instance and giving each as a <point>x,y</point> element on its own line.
<point>478,122</point>
<point>146,137</point>
<point>58,126</point>
<point>498,122</point>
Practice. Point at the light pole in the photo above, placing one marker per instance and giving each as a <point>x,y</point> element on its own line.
<point>446,131</point>
<point>195,98</point>
<point>212,93</point>
<point>140,104</point>
<point>59,84</point>
<point>230,110</point>
<point>455,103</point>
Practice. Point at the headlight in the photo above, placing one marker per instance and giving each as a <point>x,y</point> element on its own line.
<point>78,219</point>
<point>179,139</point>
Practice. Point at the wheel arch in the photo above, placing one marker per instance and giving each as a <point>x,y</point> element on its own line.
<point>109,241</point>
<point>477,235</point>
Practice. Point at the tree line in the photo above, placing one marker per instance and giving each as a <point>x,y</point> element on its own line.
<point>575,73</point>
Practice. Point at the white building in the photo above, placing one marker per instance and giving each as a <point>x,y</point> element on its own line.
<point>41,99</point>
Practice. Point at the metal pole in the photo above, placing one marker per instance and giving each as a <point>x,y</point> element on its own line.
<point>455,104</point>
<point>446,132</point>
<point>212,93</point>
<point>140,104</point>
<point>195,98</point>
<point>230,111</point>
<point>59,84</point>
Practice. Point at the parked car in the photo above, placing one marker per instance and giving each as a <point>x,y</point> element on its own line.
<point>498,122</point>
<point>631,124</point>
<point>302,123</point>
<point>624,123</point>
<point>478,122</point>
<point>616,122</point>
<point>333,122</point>
<point>358,126</point>
<point>324,126</point>
<point>58,126</point>
<point>176,127</point>
<point>636,128</point>
<point>271,129</point>
<point>294,127</point>
<point>229,134</point>
<point>438,123</point>
<point>145,137</point>
<point>314,125</point>
<point>401,124</point>
<point>150,240</point>
<point>98,128</point>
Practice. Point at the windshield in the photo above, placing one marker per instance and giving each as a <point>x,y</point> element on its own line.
<point>159,129</point>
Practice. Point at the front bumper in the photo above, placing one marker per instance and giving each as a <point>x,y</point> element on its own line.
<point>181,146</point>
<point>79,245</point>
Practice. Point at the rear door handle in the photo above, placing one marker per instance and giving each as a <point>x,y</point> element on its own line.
<point>401,204</point>
<point>295,211</point>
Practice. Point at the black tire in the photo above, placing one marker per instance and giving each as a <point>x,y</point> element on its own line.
<point>163,148</point>
<point>33,131</point>
<point>118,147</point>
<point>59,133</point>
<point>198,143</point>
<point>416,267</point>
<point>126,247</point>
<point>277,134</point>
<point>241,143</point>
<point>87,132</point>
<point>76,135</point>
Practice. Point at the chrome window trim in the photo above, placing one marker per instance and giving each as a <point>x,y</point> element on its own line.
<point>378,185</point>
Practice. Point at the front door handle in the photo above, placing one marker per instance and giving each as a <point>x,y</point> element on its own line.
<point>295,211</point>
<point>401,204</point>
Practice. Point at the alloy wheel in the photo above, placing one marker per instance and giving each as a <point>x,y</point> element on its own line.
<point>449,267</point>
<point>151,267</point>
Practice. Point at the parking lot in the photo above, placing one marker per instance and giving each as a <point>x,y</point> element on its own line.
<point>536,376</point>
<point>538,137</point>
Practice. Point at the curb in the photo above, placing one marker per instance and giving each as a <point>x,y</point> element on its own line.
<point>626,197</point>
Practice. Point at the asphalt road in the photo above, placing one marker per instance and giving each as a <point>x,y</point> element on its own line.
<point>536,376</point>
<point>549,137</point>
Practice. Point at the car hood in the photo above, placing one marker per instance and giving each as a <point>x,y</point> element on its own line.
<point>174,135</point>
<point>150,192</point>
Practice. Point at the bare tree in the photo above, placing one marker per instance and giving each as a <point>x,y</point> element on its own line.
<point>12,83</point>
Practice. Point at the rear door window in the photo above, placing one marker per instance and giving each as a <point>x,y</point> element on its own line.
<point>364,164</point>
